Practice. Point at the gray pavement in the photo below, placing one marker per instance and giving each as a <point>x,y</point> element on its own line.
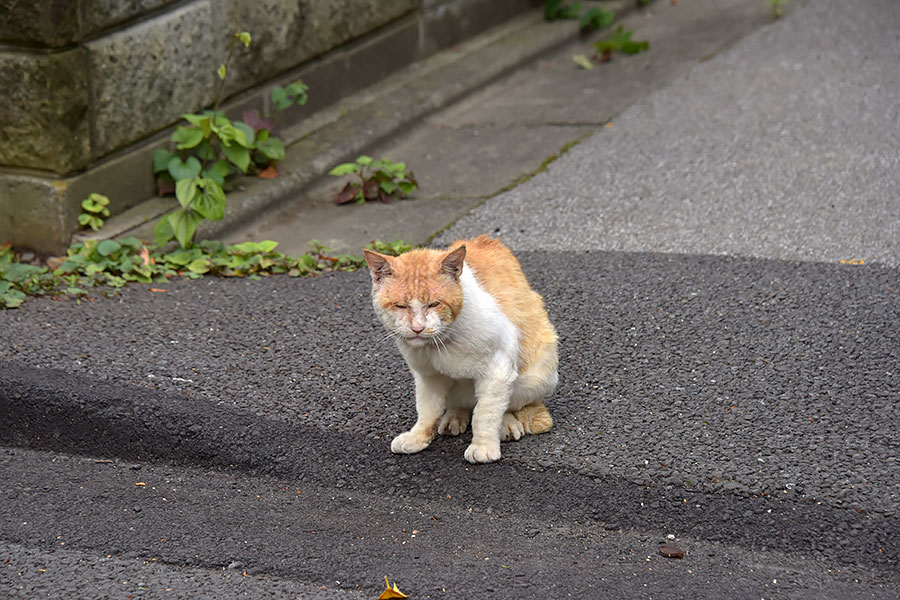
<point>784,146</point>
<point>725,379</point>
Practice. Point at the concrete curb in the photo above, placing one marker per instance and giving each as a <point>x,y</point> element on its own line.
<point>359,122</point>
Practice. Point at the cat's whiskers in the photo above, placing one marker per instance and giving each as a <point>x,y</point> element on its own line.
<point>388,336</point>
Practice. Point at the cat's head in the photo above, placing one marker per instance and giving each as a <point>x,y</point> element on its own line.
<point>417,295</point>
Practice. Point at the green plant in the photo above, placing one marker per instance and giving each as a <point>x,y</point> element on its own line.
<point>620,41</point>
<point>112,264</point>
<point>593,18</point>
<point>93,211</point>
<point>380,179</point>
<point>597,18</point>
<point>210,148</point>
<point>777,7</point>
<point>558,9</point>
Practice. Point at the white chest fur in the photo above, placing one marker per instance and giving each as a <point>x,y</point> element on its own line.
<point>480,340</point>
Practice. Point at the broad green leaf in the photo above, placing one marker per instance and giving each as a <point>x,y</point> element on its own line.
<point>161,158</point>
<point>597,18</point>
<point>244,134</point>
<point>199,266</point>
<point>245,38</point>
<point>205,151</point>
<point>162,231</point>
<point>279,97</point>
<point>96,203</point>
<point>186,169</point>
<point>186,191</point>
<point>218,171</point>
<point>184,224</point>
<point>406,187</point>
<point>364,160</point>
<point>272,148</point>
<point>344,169</point>
<point>388,186</point>
<point>181,257</point>
<point>210,203</point>
<point>198,120</point>
<point>12,298</point>
<point>238,155</point>
<point>107,247</point>
<point>630,47</point>
<point>187,137</point>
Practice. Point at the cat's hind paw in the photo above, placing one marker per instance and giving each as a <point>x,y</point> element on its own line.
<point>511,429</point>
<point>454,422</point>
<point>483,453</point>
<point>409,443</point>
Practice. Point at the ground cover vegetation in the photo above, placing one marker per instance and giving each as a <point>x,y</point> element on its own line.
<point>210,150</point>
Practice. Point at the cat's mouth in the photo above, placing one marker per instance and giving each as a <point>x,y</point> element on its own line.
<point>419,339</point>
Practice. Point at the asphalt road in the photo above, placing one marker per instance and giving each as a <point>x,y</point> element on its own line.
<point>734,388</point>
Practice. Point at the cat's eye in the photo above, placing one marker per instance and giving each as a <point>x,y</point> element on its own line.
<point>434,305</point>
<point>401,306</point>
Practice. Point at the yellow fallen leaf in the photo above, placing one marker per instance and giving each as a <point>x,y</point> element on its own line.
<point>391,592</point>
<point>140,483</point>
<point>583,61</point>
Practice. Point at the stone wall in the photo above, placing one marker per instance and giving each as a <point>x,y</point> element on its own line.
<point>93,86</point>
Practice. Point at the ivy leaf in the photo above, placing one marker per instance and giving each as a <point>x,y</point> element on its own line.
<point>161,158</point>
<point>364,160</point>
<point>218,171</point>
<point>107,247</point>
<point>597,18</point>
<point>238,155</point>
<point>187,137</point>
<point>184,224</point>
<point>186,190</point>
<point>199,266</point>
<point>210,203</point>
<point>279,97</point>
<point>245,135</point>
<point>186,169</point>
<point>162,231</point>
<point>344,169</point>
<point>244,36</point>
<point>221,71</point>
<point>272,148</point>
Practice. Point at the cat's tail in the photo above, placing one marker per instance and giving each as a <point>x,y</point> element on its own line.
<point>535,418</point>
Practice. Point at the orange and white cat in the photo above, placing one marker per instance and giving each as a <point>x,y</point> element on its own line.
<point>476,338</point>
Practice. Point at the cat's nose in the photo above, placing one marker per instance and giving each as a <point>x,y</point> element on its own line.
<point>417,329</point>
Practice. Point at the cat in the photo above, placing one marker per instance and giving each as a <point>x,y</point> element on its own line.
<point>477,339</point>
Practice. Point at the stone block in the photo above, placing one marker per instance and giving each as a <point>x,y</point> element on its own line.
<point>51,23</point>
<point>287,33</point>
<point>36,213</point>
<point>43,116</point>
<point>145,76</point>
<point>97,15</point>
<point>451,21</point>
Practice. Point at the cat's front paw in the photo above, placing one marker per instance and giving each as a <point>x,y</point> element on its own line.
<point>454,422</point>
<point>409,443</point>
<point>483,453</point>
<point>511,429</point>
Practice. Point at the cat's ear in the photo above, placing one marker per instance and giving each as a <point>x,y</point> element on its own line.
<point>452,264</point>
<point>380,266</point>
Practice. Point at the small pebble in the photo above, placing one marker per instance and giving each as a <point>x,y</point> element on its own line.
<point>671,551</point>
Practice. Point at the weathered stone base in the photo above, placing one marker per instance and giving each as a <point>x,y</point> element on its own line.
<point>39,208</point>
